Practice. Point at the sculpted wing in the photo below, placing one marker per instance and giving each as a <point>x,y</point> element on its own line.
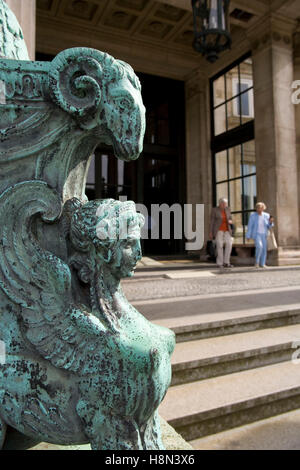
<point>12,44</point>
<point>40,283</point>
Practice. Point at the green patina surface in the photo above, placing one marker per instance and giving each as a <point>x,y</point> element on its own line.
<point>12,44</point>
<point>16,441</point>
<point>82,365</point>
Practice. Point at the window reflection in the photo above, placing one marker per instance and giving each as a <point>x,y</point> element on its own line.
<point>235,191</point>
<point>235,162</point>
<point>219,91</point>
<point>235,170</point>
<point>222,191</point>
<point>233,97</point>
<point>250,193</point>
<point>220,119</point>
<point>221,166</point>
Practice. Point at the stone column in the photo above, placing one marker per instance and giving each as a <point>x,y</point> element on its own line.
<point>275,132</point>
<point>198,154</point>
<point>25,11</point>
<point>296,44</point>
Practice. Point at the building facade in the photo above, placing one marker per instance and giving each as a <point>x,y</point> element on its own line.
<point>229,129</point>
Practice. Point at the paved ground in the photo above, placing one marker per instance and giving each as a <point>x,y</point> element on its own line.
<point>155,284</point>
<point>279,433</point>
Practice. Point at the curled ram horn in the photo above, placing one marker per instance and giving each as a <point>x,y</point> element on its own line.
<point>75,81</point>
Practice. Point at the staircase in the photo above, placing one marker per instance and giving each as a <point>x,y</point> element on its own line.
<point>232,368</point>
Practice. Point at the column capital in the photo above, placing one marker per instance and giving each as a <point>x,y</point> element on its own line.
<point>272,30</point>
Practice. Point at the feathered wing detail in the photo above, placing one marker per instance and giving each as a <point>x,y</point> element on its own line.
<point>12,43</point>
<point>40,282</point>
<point>24,276</point>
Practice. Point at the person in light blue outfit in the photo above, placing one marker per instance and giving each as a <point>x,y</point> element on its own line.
<point>259,224</point>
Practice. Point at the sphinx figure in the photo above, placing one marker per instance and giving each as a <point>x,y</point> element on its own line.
<point>82,365</point>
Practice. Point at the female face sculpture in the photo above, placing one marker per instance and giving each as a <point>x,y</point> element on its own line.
<point>110,230</point>
<point>127,251</point>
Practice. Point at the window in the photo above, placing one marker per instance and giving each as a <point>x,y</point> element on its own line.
<point>243,105</point>
<point>233,103</point>
<point>235,171</point>
<point>233,144</point>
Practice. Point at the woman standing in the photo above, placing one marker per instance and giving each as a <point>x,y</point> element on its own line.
<point>221,230</point>
<point>259,224</point>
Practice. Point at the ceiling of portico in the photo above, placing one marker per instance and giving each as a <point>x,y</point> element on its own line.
<point>154,35</point>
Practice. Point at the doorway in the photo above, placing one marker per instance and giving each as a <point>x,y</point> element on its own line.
<point>158,176</point>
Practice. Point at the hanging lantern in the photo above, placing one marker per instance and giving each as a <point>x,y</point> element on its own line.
<point>211,27</point>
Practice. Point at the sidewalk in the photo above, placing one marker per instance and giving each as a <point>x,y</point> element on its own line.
<point>189,310</point>
<point>188,281</point>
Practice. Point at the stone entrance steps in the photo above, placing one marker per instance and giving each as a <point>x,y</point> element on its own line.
<point>228,323</point>
<point>285,256</point>
<point>232,368</point>
<point>210,406</point>
<point>202,359</point>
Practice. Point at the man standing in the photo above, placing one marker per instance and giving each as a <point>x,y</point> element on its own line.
<point>220,229</point>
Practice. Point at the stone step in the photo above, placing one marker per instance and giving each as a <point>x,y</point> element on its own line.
<point>233,322</point>
<point>212,357</point>
<point>211,315</point>
<point>290,248</point>
<point>213,405</point>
